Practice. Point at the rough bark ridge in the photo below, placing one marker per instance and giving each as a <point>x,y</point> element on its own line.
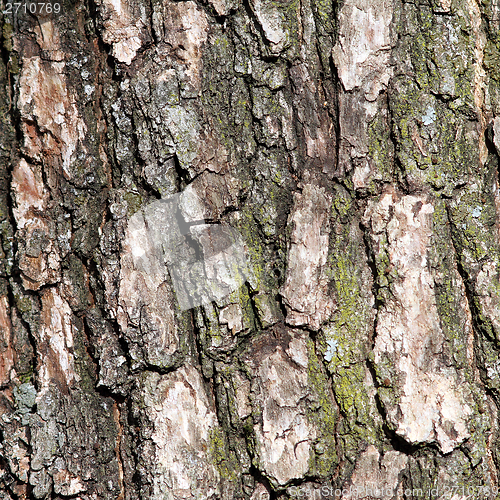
<point>355,147</point>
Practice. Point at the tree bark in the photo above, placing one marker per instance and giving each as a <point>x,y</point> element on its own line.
<point>354,146</point>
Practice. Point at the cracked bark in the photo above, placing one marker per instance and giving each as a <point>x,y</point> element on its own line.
<point>355,148</point>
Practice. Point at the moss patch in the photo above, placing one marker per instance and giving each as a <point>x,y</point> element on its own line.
<point>323,458</point>
<point>225,461</point>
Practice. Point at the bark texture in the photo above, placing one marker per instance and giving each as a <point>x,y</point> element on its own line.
<point>355,148</point>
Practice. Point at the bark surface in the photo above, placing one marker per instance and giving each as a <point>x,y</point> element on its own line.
<point>354,146</point>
